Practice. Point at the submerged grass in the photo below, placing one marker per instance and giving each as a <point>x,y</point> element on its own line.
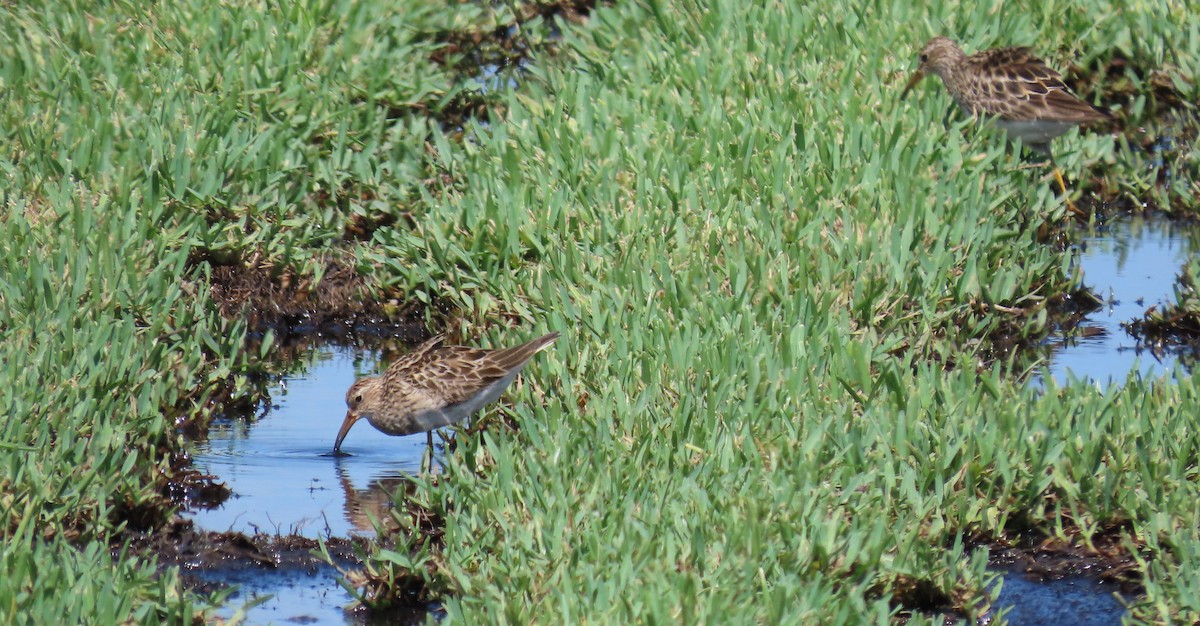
<point>775,401</point>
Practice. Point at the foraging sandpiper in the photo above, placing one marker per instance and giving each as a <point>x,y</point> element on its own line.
<point>1018,90</point>
<point>435,386</point>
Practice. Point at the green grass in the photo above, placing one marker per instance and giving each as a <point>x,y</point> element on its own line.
<point>775,400</point>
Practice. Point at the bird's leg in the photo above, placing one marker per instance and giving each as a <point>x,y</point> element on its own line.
<point>1066,195</point>
<point>427,454</point>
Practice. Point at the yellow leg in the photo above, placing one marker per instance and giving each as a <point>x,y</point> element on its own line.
<point>1067,195</point>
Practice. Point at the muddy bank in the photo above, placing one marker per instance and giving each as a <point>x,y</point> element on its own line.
<point>1049,558</point>
<point>1104,568</point>
<point>289,567</point>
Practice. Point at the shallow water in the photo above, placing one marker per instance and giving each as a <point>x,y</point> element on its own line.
<point>284,480</point>
<point>1075,601</point>
<point>1132,265</point>
<point>301,596</point>
<point>279,467</point>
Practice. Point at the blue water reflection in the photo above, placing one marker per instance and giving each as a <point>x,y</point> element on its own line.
<point>1132,265</point>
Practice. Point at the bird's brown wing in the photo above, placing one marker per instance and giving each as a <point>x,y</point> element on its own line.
<point>1021,86</point>
<point>419,354</point>
<point>998,57</point>
<point>453,374</point>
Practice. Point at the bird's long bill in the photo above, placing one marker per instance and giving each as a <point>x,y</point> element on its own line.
<point>912,82</point>
<point>346,424</point>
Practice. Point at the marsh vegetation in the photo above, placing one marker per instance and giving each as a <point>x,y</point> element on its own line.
<point>794,309</point>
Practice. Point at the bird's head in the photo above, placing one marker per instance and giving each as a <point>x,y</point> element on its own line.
<point>362,400</point>
<point>938,57</point>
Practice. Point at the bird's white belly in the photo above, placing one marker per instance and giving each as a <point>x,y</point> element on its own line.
<point>1034,131</point>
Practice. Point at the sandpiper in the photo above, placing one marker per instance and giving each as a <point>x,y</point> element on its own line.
<point>1010,85</point>
<point>435,386</point>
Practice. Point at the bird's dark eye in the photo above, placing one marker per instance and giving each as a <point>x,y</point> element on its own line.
<point>924,58</point>
<point>358,398</point>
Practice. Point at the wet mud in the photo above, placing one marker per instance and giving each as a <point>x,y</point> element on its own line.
<point>1040,577</point>
<point>260,565</point>
<point>339,304</point>
<point>1050,558</point>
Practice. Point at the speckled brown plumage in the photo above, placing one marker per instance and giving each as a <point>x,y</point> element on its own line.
<point>434,386</point>
<point>1019,91</point>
